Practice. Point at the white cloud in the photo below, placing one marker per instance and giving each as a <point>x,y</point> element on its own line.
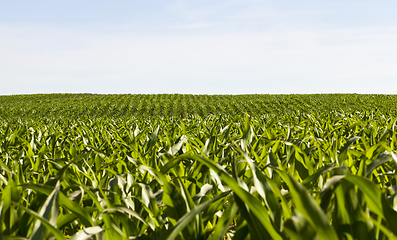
<point>194,26</point>
<point>46,59</point>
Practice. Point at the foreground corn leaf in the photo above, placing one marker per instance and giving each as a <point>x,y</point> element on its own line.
<point>49,211</point>
<point>308,207</point>
<point>86,233</point>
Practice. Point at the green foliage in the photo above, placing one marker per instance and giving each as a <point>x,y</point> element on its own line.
<point>143,106</point>
<point>213,167</point>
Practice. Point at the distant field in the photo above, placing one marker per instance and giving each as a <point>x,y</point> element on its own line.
<point>80,106</point>
<point>84,166</point>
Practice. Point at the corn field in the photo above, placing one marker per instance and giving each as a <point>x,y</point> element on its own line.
<point>198,167</point>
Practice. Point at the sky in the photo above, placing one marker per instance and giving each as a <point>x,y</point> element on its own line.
<point>198,46</point>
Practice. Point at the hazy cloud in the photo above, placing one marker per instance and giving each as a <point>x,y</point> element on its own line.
<point>199,50</point>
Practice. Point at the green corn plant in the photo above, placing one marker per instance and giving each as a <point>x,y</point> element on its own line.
<point>175,166</point>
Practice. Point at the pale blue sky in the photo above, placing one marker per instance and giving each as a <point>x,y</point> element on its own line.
<point>199,47</point>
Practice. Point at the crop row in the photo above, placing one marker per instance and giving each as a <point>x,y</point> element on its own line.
<point>92,106</point>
